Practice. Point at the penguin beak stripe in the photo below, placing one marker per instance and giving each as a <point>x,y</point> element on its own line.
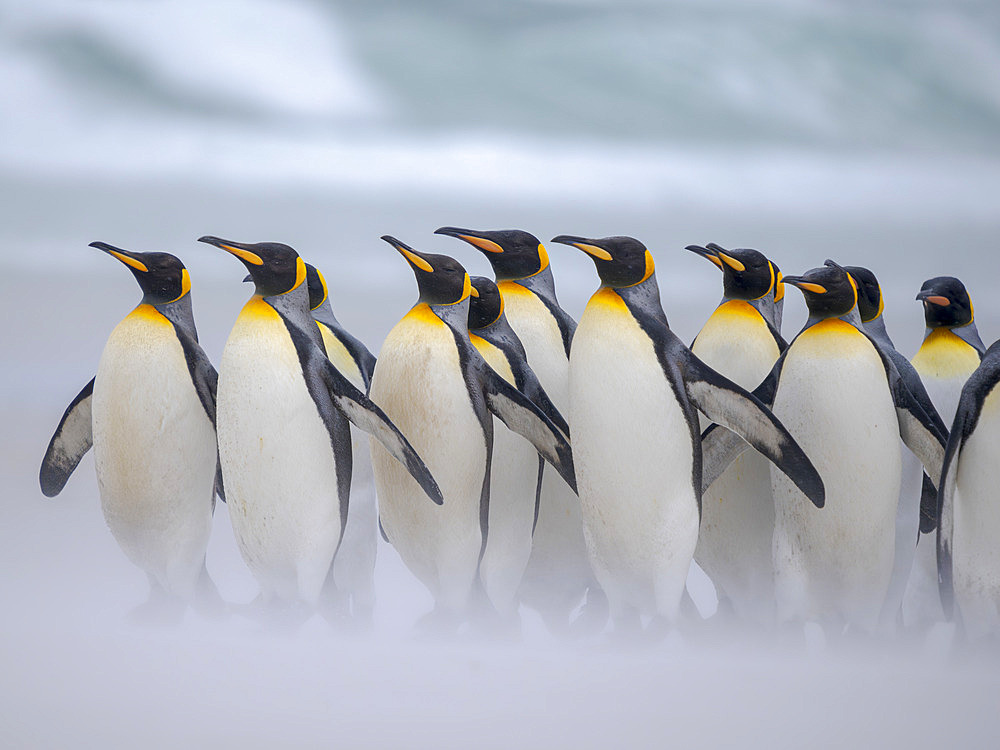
<point>936,299</point>
<point>594,250</point>
<point>244,255</point>
<point>416,260</point>
<point>731,262</point>
<point>474,292</point>
<point>483,244</point>
<point>138,265</point>
<point>809,286</point>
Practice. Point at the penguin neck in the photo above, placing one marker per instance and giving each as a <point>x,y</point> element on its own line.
<point>179,312</point>
<point>294,306</point>
<point>455,316</point>
<point>853,317</point>
<point>324,314</point>
<point>644,298</point>
<point>763,305</point>
<point>968,333</point>
<point>542,283</point>
<point>876,329</point>
<point>502,336</point>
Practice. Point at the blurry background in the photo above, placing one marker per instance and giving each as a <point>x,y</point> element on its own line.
<point>865,132</point>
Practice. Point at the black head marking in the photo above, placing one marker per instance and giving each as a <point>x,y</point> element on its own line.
<point>161,276</point>
<point>275,268</point>
<point>870,303</point>
<point>829,291</point>
<point>442,280</point>
<point>946,303</point>
<point>620,261</point>
<point>513,253</point>
<point>485,305</point>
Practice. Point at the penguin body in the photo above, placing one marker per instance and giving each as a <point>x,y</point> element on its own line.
<point>516,466</point>
<point>634,391</point>
<point>284,439</point>
<point>908,508</point>
<point>558,572</point>
<point>844,401</point>
<point>151,423</point>
<point>837,563</point>
<point>351,584</point>
<point>968,555</point>
<point>951,351</point>
<point>737,522</point>
<point>435,385</point>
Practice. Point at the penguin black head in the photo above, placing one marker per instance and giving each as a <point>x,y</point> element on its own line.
<point>275,268</point>
<point>870,302</point>
<point>318,291</point>
<point>442,280</point>
<point>485,304</point>
<point>514,254</point>
<point>746,274</point>
<point>620,261</point>
<point>161,276</point>
<point>829,291</point>
<point>946,303</point>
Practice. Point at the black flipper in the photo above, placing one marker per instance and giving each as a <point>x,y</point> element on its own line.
<point>970,406</point>
<point>337,398</point>
<point>719,448</point>
<point>724,402</point>
<point>928,506</point>
<point>206,381</point>
<point>534,391</point>
<point>362,412</point>
<point>72,439</point>
<point>364,359</point>
<point>522,416</point>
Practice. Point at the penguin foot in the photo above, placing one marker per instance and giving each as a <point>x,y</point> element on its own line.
<point>208,602</point>
<point>158,611</point>
<point>594,614</point>
<point>439,623</point>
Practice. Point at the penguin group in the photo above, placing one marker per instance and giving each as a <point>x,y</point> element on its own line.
<point>516,456</point>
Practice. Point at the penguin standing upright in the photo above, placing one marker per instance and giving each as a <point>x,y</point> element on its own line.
<point>950,353</point>
<point>284,440</point>
<point>558,572</point>
<point>516,465</point>
<point>844,401</point>
<point>150,415</point>
<point>740,342</point>
<point>968,538</point>
<point>635,391</point>
<point>351,583</point>
<point>434,384</point>
<point>908,509</point>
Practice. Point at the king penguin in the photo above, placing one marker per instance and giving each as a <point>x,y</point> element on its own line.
<point>350,587</point>
<point>968,553</point>
<point>284,439</point>
<point>558,573</point>
<point>515,485</point>
<point>740,342</point>
<point>845,402</point>
<point>951,351</point>
<point>635,392</point>
<point>150,415</point>
<point>434,384</point>
<point>912,513</point>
